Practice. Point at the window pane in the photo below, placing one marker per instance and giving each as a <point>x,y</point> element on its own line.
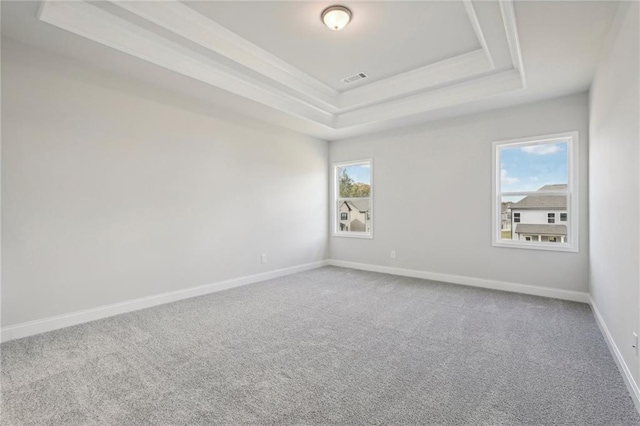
<point>354,215</point>
<point>354,181</point>
<point>537,167</point>
<point>527,219</point>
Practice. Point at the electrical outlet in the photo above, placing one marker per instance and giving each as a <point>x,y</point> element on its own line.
<point>393,254</point>
<point>634,342</point>
<point>263,258</point>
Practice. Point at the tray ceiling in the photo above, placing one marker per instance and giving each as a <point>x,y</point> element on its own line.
<point>421,57</point>
<point>382,40</point>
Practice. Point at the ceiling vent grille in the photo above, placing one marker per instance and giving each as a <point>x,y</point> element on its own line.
<point>354,78</point>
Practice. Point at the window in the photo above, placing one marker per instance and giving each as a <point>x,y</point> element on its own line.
<point>353,200</point>
<point>537,178</point>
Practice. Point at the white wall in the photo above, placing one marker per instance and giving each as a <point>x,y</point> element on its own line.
<point>109,196</point>
<point>441,172</point>
<point>615,185</point>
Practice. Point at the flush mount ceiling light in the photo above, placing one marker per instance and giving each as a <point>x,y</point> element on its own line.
<point>336,17</point>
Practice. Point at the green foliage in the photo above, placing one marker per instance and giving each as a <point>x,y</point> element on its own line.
<point>351,189</point>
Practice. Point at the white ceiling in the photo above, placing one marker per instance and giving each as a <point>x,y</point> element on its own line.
<point>427,60</point>
<point>381,40</point>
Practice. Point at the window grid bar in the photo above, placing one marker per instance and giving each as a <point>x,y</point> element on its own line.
<point>536,193</point>
<point>352,198</point>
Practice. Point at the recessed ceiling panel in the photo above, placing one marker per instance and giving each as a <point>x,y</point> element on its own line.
<point>473,54</point>
<point>382,40</point>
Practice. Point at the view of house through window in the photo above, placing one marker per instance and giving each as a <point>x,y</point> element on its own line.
<point>533,192</point>
<point>353,198</point>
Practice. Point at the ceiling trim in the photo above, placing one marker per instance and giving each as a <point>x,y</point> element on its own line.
<point>468,91</point>
<point>475,24</point>
<point>431,76</point>
<point>511,31</point>
<point>453,81</point>
<point>89,21</point>
<point>197,28</point>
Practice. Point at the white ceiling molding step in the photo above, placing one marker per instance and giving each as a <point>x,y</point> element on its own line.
<point>430,76</point>
<point>493,69</point>
<point>475,23</point>
<point>511,30</point>
<point>440,98</point>
<point>199,29</point>
<point>193,26</point>
<point>91,22</point>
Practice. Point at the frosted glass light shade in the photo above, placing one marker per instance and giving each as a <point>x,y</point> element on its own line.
<point>336,17</point>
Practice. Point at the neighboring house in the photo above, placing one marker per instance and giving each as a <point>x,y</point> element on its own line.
<point>355,216</point>
<point>505,221</point>
<point>540,217</point>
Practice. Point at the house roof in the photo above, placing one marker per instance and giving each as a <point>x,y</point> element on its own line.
<point>543,201</point>
<point>360,205</point>
<point>540,229</point>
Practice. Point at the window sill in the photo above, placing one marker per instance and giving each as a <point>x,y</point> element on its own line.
<point>368,236</point>
<point>533,246</point>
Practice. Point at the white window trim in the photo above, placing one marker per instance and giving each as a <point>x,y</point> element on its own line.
<point>336,193</point>
<point>573,225</point>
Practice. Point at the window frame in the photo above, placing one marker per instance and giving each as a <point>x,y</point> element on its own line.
<point>335,223</point>
<point>572,192</point>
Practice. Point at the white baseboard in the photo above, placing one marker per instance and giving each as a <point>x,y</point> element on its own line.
<point>554,293</point>
<point>575,296</point>
<point>617,356</point>
<point>31,328</point>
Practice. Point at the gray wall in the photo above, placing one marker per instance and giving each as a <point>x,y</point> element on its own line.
<point>615,185</point>
<point>108,196</point>
<point>432,197</point>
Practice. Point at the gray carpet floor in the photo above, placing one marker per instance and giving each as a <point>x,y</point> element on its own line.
<point>331,346</point>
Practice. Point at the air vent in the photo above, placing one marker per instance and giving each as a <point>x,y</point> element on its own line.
<point>354,78</point>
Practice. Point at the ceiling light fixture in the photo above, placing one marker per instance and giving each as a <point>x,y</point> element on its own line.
<point>336,17</point>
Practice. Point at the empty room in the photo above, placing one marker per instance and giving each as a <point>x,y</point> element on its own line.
<point>320,213</point>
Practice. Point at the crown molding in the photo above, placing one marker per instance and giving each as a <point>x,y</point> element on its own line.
<point>431,76</point>
<point>456,80</point>
<point>475,24</point>
<point>197,28</point>
<point>468,91</point>
<point>511,31</point>
<point>448,71</point>
<point>89,21</point>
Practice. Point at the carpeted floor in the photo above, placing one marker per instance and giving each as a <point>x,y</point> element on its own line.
<point>330,346</point>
